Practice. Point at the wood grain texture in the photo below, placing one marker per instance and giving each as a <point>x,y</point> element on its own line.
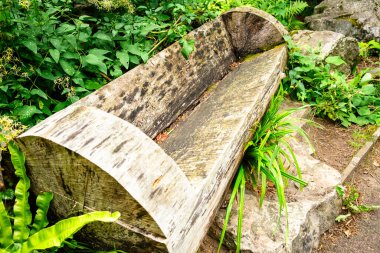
<point>252,30</point>
<point>102,162</point>
<point>209,145</point>
<point>153,95</point>
<point>93,157</point>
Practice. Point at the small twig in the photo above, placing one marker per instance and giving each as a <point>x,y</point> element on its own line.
<point>106,77</point>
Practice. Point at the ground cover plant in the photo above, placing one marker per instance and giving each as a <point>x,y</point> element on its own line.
<point>19,234</point>
<point>330,93</point>
<point>54,52</point>
<point>268,157</point>
<point>350,197</point>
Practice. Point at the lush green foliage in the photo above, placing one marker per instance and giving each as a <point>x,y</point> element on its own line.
<point>369,48</point>
<point>22,235</point>
<point>350,197</point>
<point>268,157</point>
<point>284,10</point>
<point>311,80</point>
<point>52,53</point>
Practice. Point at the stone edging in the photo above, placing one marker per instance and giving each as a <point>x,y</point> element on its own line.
<point>360,155</point>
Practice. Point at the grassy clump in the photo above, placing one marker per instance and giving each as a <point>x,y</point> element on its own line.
<point>265,159</point>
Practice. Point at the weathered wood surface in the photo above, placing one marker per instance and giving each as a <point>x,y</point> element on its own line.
<point>252,30</point>
<point>153,95</point>
<point>87,162</point>
<point>209,145</point>
<point>93,157</point>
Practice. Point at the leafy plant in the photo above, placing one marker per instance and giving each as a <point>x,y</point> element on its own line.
<point>284,10</point>
<point>311,80</point>
<point>350,198</point>
<point>24,236</point>
<point>369,48</point>
<point>52,54</point>
<point>265,159</point>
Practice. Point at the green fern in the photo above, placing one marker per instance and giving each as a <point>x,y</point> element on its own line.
<point>284,10</point>
<point>295,8</point>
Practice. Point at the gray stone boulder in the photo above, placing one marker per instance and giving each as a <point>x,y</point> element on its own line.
<point>329,44</point>
<point>310,212</point>
<point>356,18</point>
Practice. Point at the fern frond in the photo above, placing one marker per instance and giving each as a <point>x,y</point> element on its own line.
<point>295,8</point>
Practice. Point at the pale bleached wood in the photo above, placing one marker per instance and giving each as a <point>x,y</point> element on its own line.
<point>93,159</point>
<point>153,95</point>
<point>102,162</point>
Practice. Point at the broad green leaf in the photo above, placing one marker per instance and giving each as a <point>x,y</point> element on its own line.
<point>54,236</point>
<point>134,49</point>
<point>116,71</point>
<point>357,100</point>
<point>361,121</point>
<point>134,59</point>
<point>60,106</point>
<point>71,55</point>
<point>54,53</point>
<point>335,60</point>
<point>95,60</point>
<point>92,85</point>
<point>39,93</point>
<point>144,56</point>
<point>5,227</point>
<point>40,220</point>
<point>65,28</point>
<point>188,47</point>
<point>340,190</point>
<point>366,78</point>
<point>124,58</point>
<point>57,43</point>
<point>369,89</point>
<point>26,112</point>
<point>364,110</point>
<point>102,36</point>
<point>31,45</point>
<point>21,209</point>
<point>67,66</point>
<point>148,28</point>
<point>72,40</point>
<point>45,73</point>
<point>98,52</point>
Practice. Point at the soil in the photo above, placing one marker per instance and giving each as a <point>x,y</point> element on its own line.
<point>336,145</point>
<point>360,233</point>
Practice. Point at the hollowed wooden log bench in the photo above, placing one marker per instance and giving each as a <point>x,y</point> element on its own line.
<point>100,153</point>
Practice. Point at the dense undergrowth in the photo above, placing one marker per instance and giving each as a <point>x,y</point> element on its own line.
<point>54,52</point>
<point>331,93</point>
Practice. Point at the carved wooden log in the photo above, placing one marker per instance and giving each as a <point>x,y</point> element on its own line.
<point>98,153</point>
